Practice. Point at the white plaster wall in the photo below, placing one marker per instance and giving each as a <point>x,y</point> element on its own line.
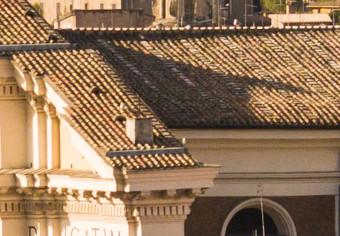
<point>167,228</point>
<point>6,70</point>
<point>70,157</point>
<point>13,226</point>
<point>13,134</point>
<point>270,159</point>
<point>255,161</point>
<point>68,23</point>
<point>280,163</point>
<point>12,121</point>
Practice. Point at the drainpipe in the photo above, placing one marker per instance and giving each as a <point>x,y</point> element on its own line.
<point>215,11</point>
<point>336,213</point>
<point>180,12</point>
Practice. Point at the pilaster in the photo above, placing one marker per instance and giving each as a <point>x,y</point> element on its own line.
<point>38,132</point>
<point>180,12</point>
<point>53,137</point>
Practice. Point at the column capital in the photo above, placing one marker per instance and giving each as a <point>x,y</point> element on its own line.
<point>36,102</point>
<point>50,110</point>
<point>159,204</point>
<point>159,213</point>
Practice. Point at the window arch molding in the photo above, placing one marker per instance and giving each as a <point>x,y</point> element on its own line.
<point>279,214</point>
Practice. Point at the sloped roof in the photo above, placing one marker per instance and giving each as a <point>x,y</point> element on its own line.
<point>211,78</point>
<point>200,78</point>
<point>20,24</point>
<point>75,74</point>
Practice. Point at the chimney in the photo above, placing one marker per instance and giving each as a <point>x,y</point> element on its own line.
<point>139,130</point>
<point>215,11</point>
<point>289,4</point>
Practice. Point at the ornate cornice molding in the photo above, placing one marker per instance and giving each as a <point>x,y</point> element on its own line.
<point>11,91</point>
<point>33,202</point>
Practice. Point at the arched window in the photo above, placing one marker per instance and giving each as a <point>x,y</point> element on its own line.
<point>248,222</point>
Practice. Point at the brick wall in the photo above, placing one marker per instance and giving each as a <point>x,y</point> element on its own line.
<point>312,215</point>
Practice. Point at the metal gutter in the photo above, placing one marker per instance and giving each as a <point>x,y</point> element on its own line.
<point>30,47</point>
<point>161,151</point>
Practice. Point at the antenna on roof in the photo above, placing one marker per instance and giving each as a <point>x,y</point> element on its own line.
<point>260,192</point>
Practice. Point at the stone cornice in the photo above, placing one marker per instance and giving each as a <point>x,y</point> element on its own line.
<point>325,176</point>
<point>193,30</point>
<point>171,179</point>
<point>35,202</point>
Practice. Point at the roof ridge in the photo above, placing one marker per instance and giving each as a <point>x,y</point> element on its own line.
<point>34,47</point>
<point>159,151</point>
<point>196,28</point>
<point>42,20</point>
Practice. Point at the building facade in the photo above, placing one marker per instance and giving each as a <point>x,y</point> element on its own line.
<point>53,10</point>
<point>326,7</point>
<point>110,132</point>
<point>63,171</point>
<point>259,102</point>
<point>294,172</point>
<point>115,13</point>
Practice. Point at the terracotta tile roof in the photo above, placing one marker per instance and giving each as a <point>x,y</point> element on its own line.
<point>74,73</point>
<point>19,24</point>
<point>95,93</point>
<point>255,78</point>
<point>188,78</point>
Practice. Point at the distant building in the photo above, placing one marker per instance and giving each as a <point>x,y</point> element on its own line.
<point>96,13</point>
<point>105,19</point>
<point>52,10</point>
<point>245,11</point>
<point>323,6</point>
<point>282,20</point>
<point>135,13</point>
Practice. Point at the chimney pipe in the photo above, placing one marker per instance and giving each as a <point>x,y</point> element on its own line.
<point>139,130</point>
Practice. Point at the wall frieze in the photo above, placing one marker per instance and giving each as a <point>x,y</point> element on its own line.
<point>105,205</point>
<point>11,91</point>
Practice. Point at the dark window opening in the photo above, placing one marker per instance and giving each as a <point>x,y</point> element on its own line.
<point>248,222</point>
<point>58,9</point>
<point>163,11</point>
